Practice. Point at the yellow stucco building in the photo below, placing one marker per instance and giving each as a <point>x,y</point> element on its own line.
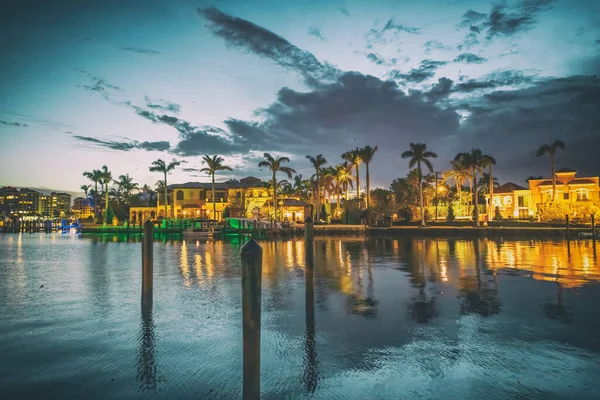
<point>245,198</point>
<point>515,201</point>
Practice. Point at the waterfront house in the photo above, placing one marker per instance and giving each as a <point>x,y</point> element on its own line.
<point>515,201</point>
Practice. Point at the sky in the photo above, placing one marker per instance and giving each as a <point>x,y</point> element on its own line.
<point>123,83</point>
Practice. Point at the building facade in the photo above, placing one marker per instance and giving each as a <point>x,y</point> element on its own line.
<point>246,198</point>
<point>514,201</point>
<point>81,208</point>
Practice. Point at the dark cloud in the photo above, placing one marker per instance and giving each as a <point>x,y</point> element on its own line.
<point>124,146</point>
<point>524,119</point>
<point>434,45</point>
<point>190,169</point>
<point>245,35</point>
<point>440,90</point>
<point>391,25</point>
<point>316,32</point>
<point>470,58</point>
<point>426,70</point>
<point>502,20</point>
<point>140,50</point>
<point>163,105</point>
<point>344,11</point>
<point>375,58</point>
<point>496,79</point>
<point>12,123</point>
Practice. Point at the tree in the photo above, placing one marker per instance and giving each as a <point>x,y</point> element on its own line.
<point>126,186</point>
<point>551,151</point>
<point>488,162</point>
<point>450,216</point>
<point>96,177</point>
<point>344,177</point>
<point>317,162</point>
<point>418,154</point>
<point>106,178</point>
<point>366,155</point>
<point>458,174</point>
<point>353,158</point>
<point>533,178</point>
<point>162,166</point>
<point>214,164</point>
<point>474,161</point>
<point>484,184</point>
<point>275,164</point>
<point>86,189</point>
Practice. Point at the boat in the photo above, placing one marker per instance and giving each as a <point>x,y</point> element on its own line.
<point>202,229</point>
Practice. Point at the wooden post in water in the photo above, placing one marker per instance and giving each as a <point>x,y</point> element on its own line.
<point>251,255</point>
<point>593,227</point>
<point>147,263</point>
<point>567,220</point>
<point>308,242</point>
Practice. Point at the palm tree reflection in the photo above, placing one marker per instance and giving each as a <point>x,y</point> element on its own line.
<point>479,298</point>
<point>558,310</point>
<point>146,363</point>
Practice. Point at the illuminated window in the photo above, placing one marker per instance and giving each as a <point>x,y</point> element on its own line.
<point>507,200</point>
<point>582,195</point>
<point>566,196</point>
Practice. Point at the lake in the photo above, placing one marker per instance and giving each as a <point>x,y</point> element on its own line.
<point>400,318</point>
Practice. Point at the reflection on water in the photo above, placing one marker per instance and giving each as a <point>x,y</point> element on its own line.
<point>351,318</point>
<point>146,363</point>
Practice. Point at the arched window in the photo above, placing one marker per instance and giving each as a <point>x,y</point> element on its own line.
<point>180,195</point>
<point>582,194</point>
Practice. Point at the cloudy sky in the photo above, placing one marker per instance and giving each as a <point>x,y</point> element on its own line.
<point>122,83</point>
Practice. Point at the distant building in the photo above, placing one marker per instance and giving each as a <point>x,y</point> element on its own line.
<point>514,201</point>
<point>9,200</point>
<point>81,208</point>
<point>56,205</point>
<point>29,203</point>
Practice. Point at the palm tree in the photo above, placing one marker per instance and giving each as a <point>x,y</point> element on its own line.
<point>344,177</point>
<point>353,158</point>
<point>96,177</point>
<point>147,189</point>
<point>489,161</point>
<point>551,150</point>
<point>214,164</point>
<point>106,178</point>
<point>474,161</point>
<point>366,155</point>
<point>126,186</point>
<point>418,155</point>
<point>86,189</point>
<point>275,164</point>
<point>317,162</point>
<point>162,166</point>
<point>458,174</point>
<point>484,184</point>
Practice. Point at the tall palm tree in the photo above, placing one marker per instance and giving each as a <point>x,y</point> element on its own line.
<point>106,178</point>
<point>418,154</point>
<point>458,174</point>
<point>353,158</point>
<point>96,177</point>
<point>551,150</point>
<point>488,161</point>
<point>275,164</point>
<point>147,189</point>
<point>474,161</point>
<point>366,155</point>
<point>162,166</point>
<point>126,186</point>
<point>317,162</point>
<point>485,183</point>
<point>344,177</point>
<point>214,164</point>
<point>86,189</point>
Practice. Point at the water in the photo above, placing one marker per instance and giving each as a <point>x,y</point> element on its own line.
<point>390,319</point>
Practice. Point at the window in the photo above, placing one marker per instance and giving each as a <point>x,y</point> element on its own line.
<point>565,196</point>
<point>582,195</point>
<point>507,200</point>
<point>180,195</point>
<point>203,194</point>
<point>548,195</point>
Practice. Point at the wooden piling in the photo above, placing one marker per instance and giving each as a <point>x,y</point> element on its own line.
<point>593,227</point>
<point>251,255</point>
<point>147,262</point>
<point>567,220</point>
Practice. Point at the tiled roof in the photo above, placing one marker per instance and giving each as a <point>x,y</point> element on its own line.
<point>248,182</point>
<point>508,187</point>
<point>581,181</point>
<point>565,170</point>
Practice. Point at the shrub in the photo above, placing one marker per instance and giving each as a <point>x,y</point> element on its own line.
<point>405,214</point>
<point>497,215</point>
<point>450,217</point>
